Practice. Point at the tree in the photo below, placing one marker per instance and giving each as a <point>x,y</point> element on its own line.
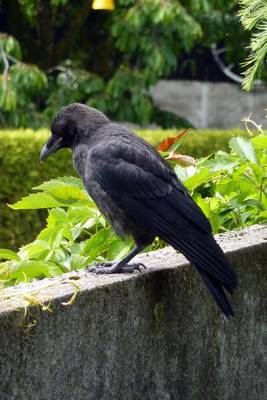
<point>119,55</point>
<point>253,15</point>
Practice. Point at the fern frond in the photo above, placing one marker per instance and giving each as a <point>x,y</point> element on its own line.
<point>253,14</point>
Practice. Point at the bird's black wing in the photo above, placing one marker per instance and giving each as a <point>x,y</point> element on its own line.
<point>145,187</point>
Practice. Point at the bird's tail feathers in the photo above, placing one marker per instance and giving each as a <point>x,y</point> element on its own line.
<point>215,270</point>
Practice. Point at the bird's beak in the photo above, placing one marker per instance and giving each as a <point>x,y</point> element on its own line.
<point>53,144</point>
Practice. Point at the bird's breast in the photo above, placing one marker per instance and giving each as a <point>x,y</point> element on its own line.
<point>107,206</point>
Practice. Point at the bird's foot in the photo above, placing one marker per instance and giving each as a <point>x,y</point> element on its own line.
<point>114,268</point>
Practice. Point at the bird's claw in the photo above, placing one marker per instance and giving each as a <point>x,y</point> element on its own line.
<point>110,268</point>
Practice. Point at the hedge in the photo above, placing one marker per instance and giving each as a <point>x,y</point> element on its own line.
<point>20,170</point>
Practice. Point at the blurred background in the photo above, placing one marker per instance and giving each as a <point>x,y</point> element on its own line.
<point>152,63</point>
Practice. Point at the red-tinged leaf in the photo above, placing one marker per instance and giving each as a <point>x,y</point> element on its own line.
<point>181,159</point>
<point>167,143</point>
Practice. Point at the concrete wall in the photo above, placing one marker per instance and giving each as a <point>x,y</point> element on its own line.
<point>211,105</point>
<point>150,336</point>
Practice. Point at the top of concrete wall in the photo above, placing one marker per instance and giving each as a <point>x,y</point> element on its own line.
<point>63,287</point>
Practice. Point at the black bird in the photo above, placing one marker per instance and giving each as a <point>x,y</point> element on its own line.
<point>139,194</point>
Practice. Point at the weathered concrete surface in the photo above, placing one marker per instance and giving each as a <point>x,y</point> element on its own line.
<point>150,336</point>
<point>211,105</point>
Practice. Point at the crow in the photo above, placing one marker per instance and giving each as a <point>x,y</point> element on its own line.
<point>140,195</point>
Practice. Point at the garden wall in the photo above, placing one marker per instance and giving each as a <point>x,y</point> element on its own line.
<point>211,105</point>
<point>155,335</point>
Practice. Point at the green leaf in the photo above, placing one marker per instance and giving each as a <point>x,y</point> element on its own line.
<point>185,173</point>
<point>262,216</point>
<point>78,261</point>
<point>97,244</point>
<point>118,249</point>
<point>68,195</point>
<point>260,142</point>
<point>33,269</point>
<point>7,254</point>
<point>34,250</point>
<point>57,217</point>
<point>82,217</point>
<point>52,235</point>
<point>244,148</point>
<point>60,181</point>
<point>222,161</point>
<point>61,256</point>
<point>203,176</point>
<point>36,201</point>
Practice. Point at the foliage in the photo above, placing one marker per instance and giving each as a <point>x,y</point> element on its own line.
<point>20,84</point>
<point>119,56</point>
<point>72,215</point>
<point>231,188</point>
<point>69,85</point>
<point>20,170</point>
<point>253,15</point>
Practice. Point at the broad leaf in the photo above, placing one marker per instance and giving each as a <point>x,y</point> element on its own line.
<point>7,254</point>
<point>60,181</point>
<point>57,216</point>
<point>244,148</point>
<point>184,173</point>
<point>97,244</point>
<point>36,201</point>
<point>33,269</point>
<point>260,142</point>
<point>118,249</point>
<point>203,176</point>
<point>34,250</point>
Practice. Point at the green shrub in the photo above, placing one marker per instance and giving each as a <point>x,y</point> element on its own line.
<point>20,170</point>
<point>197,143</point>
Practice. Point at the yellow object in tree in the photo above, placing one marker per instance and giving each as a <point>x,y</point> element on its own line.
<point>103,5</point>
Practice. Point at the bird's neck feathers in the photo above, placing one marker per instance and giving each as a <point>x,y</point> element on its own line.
<point>88,129</point>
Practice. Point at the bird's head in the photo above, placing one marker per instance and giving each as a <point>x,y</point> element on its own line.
<point>73,124</point>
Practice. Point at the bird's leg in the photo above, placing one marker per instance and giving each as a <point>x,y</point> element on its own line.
<point>119,266</point>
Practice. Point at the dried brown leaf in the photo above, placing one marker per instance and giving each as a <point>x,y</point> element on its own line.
<point>181,159</point>
<point>167,143</point>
